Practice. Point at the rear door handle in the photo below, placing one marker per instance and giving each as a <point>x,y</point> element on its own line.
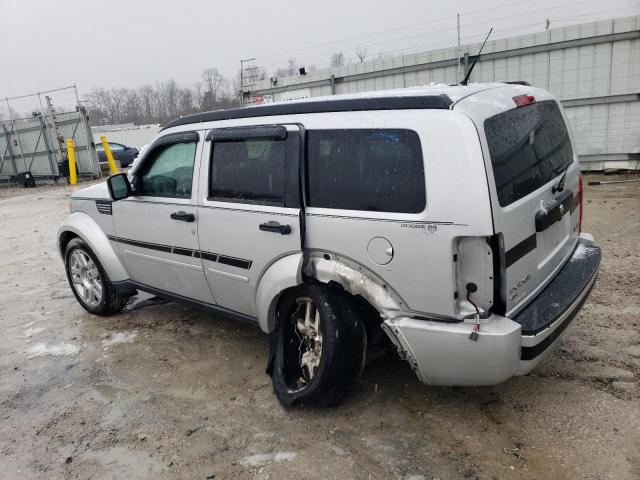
<point>275,227</point>
<point>183,216</point>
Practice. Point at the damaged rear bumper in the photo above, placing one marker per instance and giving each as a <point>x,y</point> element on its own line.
<point>443,354</point>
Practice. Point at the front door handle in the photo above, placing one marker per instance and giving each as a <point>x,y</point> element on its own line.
<point>275,227</point>
<point>183,216</point>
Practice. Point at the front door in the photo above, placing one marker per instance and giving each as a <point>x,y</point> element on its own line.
<point>248,208</point>
<point>156,228</point>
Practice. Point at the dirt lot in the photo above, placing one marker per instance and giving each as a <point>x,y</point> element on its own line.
<point>170,391</point>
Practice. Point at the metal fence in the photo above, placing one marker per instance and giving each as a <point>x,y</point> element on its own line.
<point>38,145</point>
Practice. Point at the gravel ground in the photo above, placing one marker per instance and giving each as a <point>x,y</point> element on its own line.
<point>164,390</point>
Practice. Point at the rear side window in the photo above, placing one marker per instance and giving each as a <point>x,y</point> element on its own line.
<point>248,171</point>
<point>529,146</point>
<point>378,170</point>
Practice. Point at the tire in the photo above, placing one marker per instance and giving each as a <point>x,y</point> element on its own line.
<point>84,280</point>
<point>302,374</point>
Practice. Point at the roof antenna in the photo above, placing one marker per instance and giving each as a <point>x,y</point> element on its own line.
<point>466,79</point>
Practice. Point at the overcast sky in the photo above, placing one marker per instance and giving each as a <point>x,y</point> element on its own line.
<point>47,44</point>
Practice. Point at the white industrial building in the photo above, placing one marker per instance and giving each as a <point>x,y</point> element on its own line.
<point>594,69</point>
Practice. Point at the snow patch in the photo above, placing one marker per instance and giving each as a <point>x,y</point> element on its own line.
<point>119,337</point>
<point>582,252</point>
<point>30,332</point>
<point>42,349</point>
<point>261,459</point>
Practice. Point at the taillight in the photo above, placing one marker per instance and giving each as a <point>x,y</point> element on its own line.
<point>522,100</point>
<point>581,195</point>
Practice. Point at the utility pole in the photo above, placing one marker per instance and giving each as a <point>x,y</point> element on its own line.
<point>548,54</point>
<point>242,77</point>
<point>458,54</point>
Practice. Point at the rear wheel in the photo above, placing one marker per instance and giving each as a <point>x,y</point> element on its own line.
<point>89,282</point>
<point>319,346</point>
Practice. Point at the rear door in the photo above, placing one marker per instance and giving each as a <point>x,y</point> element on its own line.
<point>534,181</point>
<point>248,208</point>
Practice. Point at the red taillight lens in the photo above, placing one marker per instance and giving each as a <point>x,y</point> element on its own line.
<point>522,100</point>
<point>581,195</point>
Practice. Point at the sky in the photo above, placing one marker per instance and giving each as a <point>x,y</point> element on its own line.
<point>126,43</point>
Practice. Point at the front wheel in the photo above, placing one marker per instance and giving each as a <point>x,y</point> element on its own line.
<point>89,282</point>
<point>318,346</point>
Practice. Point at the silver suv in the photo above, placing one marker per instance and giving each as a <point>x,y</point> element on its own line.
<point>444,219</point>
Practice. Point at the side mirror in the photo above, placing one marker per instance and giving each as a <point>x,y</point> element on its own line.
<point>119,186</point>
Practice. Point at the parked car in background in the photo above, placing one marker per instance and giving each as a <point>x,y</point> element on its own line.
<point>447,220</point>
<point>121,153</point>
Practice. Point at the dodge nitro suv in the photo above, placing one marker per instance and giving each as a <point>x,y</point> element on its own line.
<point>444,221</point>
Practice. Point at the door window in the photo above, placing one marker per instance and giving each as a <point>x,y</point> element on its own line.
<point>378,170</point>
<point>169,172</point>
<point>248,171</point>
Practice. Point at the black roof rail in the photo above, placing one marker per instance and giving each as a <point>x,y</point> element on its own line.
<point>436,102</point>
<point>518,82</point>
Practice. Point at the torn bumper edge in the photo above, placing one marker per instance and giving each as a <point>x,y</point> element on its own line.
<point>443,354</point>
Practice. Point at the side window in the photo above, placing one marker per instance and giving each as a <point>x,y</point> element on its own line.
<point>169,171</point>
<point>116,146</point>
<point>248,171</point>
<point>378,170</point>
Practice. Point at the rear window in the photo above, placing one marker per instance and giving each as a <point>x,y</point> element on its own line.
<point>378,170</point>
<point>529,146</point>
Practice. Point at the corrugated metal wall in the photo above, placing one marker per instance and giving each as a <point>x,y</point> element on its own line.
<point>594,68</point>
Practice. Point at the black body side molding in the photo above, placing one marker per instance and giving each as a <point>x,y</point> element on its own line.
<point>520,250</point>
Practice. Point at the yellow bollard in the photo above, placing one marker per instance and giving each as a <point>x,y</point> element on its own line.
<point>71,155</point>
<point>107,151</point>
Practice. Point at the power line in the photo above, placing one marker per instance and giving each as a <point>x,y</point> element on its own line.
<point>502,30</point>
<point>388,30</point>
<point>466,39</point>
<point>522,14</point>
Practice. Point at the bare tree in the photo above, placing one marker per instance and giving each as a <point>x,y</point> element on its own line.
<point>281,72</point>
<point>213,81</point>
<point>131,110</point>
<point>338,59</point>
<point>162,101</point>
<point>292,67</point>
<point>146,95</point>
<point>170,96</point>
<point>185,101</point>
<point>198,95</point>
<point>361,53</point>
